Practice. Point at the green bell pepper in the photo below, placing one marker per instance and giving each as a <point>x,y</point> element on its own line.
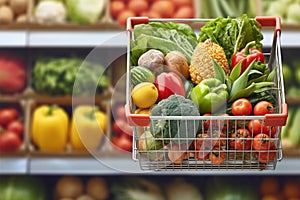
<point>210,94</point>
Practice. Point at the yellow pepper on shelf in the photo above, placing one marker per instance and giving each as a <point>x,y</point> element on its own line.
<point>88,127</point>
<point>50,126</point>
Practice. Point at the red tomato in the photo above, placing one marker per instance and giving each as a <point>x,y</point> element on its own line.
<point>16,126</point>
<point>267,155</point>
<point>262,142</point>
<point>256,127</point>
<point>202,141</point>
<point>163,7</point>
<point>116,7</point>
<point>184,12</point>
<point>8,115</point>
<point>263,107</point>
<point>241,107</point>
<point>241,139</point>
<point>169,83</point>
<point>9,142</point>
<point>138,6</point>
<point>121,127</point>
<point>123,15</point>
<point>223,124</point>
<point>123,143</point>
<point>120,112</point>
<point>206,123</point>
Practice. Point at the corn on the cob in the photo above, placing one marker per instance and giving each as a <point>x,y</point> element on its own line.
<point>201,66</point>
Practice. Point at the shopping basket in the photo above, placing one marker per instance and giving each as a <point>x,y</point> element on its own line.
<point>209,149</point>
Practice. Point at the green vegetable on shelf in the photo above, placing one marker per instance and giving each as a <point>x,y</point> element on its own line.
<point>85,11</point>
<point>66,76</point>
<point>22,187</point>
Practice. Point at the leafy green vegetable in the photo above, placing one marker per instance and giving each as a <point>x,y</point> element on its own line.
<point>232,34</point>
<point>165,37</point>
<point>57,76</point>
<point>84,11</point>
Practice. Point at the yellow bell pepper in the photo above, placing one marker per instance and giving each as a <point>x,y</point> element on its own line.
<point>50,128</point>
<point>88,126</point>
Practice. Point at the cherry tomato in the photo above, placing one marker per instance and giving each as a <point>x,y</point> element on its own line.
<point>7,115</point>
<point>217,156</point>
<point>16,126</point>
<point>9,142</point>
<point>241,107</point>
<point>262,142</point>
<point>263,107</point>
<point>240,139</point>
<point>266,156</point>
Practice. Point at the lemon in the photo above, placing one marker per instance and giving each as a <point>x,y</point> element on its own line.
<point>144,111</point>
<point>144,95</point>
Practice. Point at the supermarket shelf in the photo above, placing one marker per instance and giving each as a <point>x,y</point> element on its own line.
<point>13,165</point>
<point>86,165</point>
<point>93,38</point>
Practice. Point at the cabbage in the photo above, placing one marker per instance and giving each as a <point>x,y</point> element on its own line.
<point>85,11</point>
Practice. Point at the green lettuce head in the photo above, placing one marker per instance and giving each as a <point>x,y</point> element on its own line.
<point>85,11</point>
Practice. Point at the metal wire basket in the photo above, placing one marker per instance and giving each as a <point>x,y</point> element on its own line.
<point>212,147</point>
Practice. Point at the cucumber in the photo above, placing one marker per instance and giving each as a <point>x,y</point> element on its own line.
<point>294,132</point>
<point>141,74</point>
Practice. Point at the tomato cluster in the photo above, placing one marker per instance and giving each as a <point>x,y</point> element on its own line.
<point>215,137</point>
<point>11,130</point>
<point>122,138</point>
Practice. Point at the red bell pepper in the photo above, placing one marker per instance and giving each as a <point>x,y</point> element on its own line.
<point>247,55</point>
<point>169,83</point>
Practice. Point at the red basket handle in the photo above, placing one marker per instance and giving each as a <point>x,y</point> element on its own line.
<point>132,21</point>
<point>270,21</point>
<point>277,119</point>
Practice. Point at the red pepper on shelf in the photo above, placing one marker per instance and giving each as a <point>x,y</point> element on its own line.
<point>247,55</point>
<point>169,83</point>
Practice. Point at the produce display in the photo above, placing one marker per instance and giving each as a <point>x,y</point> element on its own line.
<point>14,11</point>
<point>68,76</point>
<point>11,129</point>
<point>68,11</point>
<point>81,130</point>
<point>221,72</point>
<point>120,10</point>
<point>96,187</point>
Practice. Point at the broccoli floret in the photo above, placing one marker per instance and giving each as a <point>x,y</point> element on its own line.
<point>175,105</point>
